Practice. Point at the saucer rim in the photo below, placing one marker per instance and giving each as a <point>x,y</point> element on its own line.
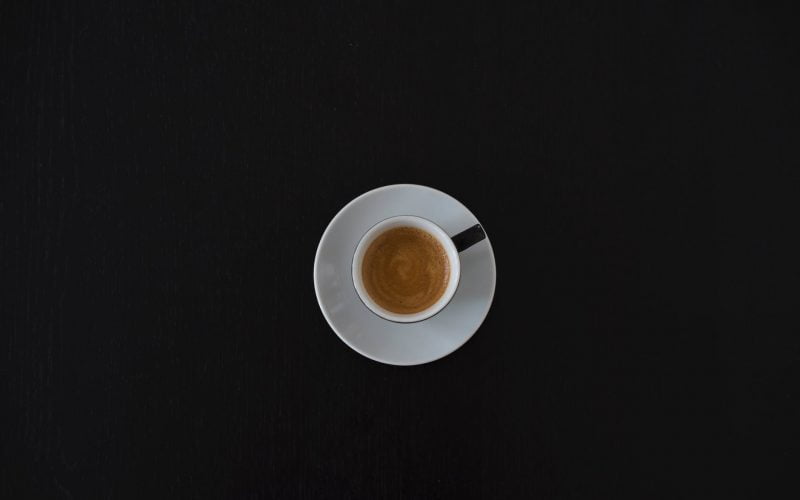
<point>325,235</point>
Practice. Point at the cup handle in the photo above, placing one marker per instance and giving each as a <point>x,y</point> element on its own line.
<point>468,237</point>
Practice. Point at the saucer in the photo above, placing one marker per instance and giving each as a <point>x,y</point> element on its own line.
<point>373,336</point>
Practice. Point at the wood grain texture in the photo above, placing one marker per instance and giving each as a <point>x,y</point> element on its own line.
<point>167,171</point>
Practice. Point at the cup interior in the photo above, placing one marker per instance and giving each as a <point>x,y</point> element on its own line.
<point>430,228</point>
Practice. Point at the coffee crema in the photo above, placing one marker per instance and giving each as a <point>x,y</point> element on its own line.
<point>405,270</point>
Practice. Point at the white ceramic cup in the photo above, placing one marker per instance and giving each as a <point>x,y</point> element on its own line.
<point>452,247</point>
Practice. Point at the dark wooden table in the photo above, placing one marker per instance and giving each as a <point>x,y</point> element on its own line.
<point>168,170</point>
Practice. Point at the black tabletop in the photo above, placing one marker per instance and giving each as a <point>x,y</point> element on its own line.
<point>168,170</point>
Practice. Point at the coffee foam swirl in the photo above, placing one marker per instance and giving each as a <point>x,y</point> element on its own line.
<point>405,270</point>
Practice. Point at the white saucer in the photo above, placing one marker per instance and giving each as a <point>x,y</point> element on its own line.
<point>377,338</point>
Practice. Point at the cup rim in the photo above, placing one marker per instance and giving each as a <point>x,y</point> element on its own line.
<point>450,292</point>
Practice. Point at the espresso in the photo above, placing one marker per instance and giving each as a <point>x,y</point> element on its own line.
<point>405,270</point>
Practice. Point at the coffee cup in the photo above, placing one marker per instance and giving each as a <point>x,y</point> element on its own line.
<point>406,268</point>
